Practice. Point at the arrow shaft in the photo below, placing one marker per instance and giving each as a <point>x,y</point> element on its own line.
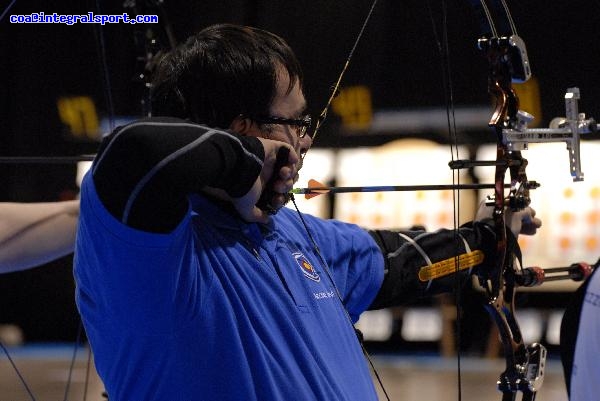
<point>389,188</point>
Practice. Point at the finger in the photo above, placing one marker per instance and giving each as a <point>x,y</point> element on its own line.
<point>293,157</point>
<point>530,226</point>
<point>287,172</point>
<point>535,223</point>
<point>290,174</point>
<point>283,186</point>
<point>526,230</point>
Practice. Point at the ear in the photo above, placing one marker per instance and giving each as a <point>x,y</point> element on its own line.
<point>242,125</point>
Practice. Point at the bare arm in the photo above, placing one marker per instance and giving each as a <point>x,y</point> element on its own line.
<point>32,234</point>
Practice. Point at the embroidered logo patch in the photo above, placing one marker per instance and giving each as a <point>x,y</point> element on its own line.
<point>307,269</point>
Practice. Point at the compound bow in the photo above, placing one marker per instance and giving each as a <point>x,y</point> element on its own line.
<point>508,62</point>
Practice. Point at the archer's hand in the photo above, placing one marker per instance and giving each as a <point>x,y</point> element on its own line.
<point>521,222</point>
<point>281,184</point>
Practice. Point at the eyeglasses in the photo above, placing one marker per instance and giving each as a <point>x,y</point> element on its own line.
<point>301,124</point>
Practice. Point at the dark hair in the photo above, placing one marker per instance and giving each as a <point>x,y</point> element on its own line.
<point>221,72</point>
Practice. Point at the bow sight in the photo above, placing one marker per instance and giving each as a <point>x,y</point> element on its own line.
<point>562,129</point>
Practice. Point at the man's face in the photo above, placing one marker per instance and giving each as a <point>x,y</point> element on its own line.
<point>290,105</point>
<point>286,105</point>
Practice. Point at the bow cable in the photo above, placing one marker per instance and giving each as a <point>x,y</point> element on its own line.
<point>448,89</point>
<point>17,371</point>
<point>323,116</point>
<point>320,120</point>
<point>488,16</point>
<point>513,28</point>
<point>101,47</point>
<point>4,349</point>
<point>12,3</point>
<point>106,84</point>
<point>8,7</point>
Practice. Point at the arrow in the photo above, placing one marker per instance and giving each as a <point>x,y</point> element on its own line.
<point>315,188</point>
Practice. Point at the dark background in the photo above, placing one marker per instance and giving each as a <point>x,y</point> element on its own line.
<point>398,59</point>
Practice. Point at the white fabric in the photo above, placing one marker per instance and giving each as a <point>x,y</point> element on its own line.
<point>585,378</point>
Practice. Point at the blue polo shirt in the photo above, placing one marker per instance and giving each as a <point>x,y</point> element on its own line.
<point>223,310</point>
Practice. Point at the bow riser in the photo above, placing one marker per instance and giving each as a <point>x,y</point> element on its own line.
<point>499,283</point>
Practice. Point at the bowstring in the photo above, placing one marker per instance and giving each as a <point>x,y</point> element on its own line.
<point>443,47</point>
<point>106,83</point>
<point>323,116</point>
<point>511,22</point>
<point>4,349</point>
<point>101,48</point>
<point>73,358</point>
<point>17,371</point>
<point>320,120</point>
<point>8,7</point>
<point>339,297</point>
<point>88,369</point>
<point>490,20</point>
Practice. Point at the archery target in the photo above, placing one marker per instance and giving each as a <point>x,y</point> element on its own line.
<point>402,162</point>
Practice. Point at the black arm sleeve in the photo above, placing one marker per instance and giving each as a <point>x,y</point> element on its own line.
<point>144,171</point>
<point>408,254</point>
